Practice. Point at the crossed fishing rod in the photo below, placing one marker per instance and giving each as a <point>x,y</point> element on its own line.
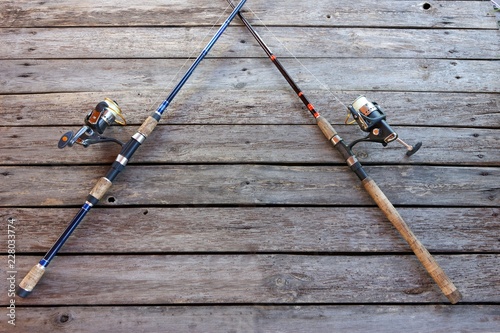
<point>368,115</point>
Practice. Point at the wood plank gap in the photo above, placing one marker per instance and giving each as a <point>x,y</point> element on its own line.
<point>277,305</point>
<point>258,253</point>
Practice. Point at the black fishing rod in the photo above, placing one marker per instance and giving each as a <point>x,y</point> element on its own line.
<point>370,118</point>
<point>107,113</point>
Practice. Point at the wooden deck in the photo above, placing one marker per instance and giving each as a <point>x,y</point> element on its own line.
<point>236,215</point>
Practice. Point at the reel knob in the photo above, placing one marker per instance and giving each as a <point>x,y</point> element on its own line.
<point>65,139</point>
<point>415,148</point>
<point>411,149</point>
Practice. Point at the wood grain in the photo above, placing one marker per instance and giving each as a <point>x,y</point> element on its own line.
<point>254,229</point>
<point>270,278</point>
<point>303,144</point>
<point>253,106</point>
<point>243,218</point>
<point>279,319</point>
<point>250,185</point>
<point>181,42</point>
<point>43,76</point>
<point>393,13</point>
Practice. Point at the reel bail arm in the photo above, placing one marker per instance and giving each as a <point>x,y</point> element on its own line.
<point>105,114</point>
<point>371,118</point>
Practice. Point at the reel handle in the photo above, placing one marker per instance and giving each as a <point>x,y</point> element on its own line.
<point>69,139</point>
<point>65,140</point>
<point>411,149</point>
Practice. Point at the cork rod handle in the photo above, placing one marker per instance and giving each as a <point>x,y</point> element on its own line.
<point>427,260</point>
<point>30,280</point>
<point>35,274</point>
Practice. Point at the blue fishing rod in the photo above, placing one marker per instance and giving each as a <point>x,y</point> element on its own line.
<point>105,114</point>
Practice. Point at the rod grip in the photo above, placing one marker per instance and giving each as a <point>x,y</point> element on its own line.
<point>100,188</point>
<point>427,260</point>
<point>30,280</point>
<point>148,126</point>
<point>326,127</point>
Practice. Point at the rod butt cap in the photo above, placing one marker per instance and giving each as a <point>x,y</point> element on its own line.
<point>454,297</point>
<point>23,292</point>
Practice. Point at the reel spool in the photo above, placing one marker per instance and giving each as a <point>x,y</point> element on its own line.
<point>371,118</point>
<point>105,114</point>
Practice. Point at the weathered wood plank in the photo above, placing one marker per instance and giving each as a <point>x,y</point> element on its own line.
<point>272,278</point>
<point>248,184</point>
<point>256,229</point>
<point>248,106</point>
<point>394,13</point>
<point>279,319</point>
<point>303,144</point>
<point>197,223</point>
<point>106,74</point>
<point>237,42</point>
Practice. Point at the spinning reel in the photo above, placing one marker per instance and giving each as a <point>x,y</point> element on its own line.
<point>106,113</point>
<point>371,118</point>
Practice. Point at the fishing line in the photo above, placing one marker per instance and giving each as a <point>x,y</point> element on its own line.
<point>296,59</point>
<point>156,102</point>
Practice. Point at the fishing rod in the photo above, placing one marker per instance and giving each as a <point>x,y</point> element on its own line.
<point>370,118</point>
<point>107,113</point>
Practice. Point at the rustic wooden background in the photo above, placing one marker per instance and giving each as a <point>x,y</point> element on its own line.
<point>236,215</point>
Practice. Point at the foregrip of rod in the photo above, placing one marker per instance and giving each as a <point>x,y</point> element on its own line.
<point>148,126</point>
<point>427,260</point>
<point>326,127</point>
<point>100,188</point>
<point>30,280</point>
